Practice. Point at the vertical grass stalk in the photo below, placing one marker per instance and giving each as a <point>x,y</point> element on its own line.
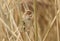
<point>35,19</point>
<point>57,29</point>
<point>57,20</point>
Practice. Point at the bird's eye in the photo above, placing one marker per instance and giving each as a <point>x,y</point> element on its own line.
<point>29,12</point>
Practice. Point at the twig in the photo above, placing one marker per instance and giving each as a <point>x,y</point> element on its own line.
<point>51,25</point>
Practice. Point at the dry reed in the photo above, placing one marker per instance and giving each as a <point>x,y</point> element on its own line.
<point>29,20</point>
